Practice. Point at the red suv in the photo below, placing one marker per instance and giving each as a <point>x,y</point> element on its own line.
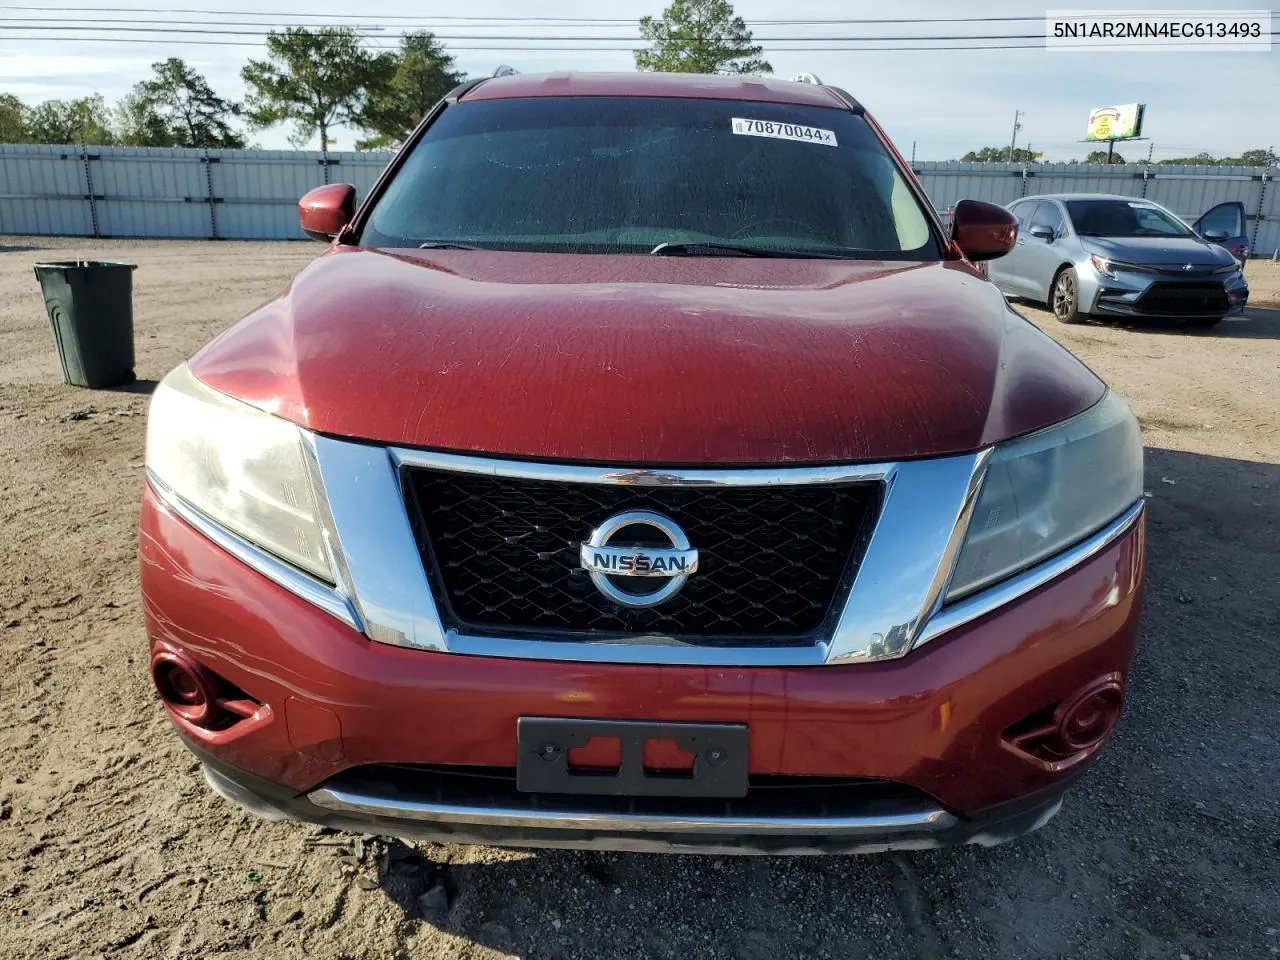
<point>642,467</point>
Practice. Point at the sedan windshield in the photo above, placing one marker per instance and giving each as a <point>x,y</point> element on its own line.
<point>675,177</point>
<point>1123,218</point>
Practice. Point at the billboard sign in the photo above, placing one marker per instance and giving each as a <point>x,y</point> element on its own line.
<point>1116,123</point>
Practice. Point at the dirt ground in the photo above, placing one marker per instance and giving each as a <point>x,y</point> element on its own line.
<point>111,845</point>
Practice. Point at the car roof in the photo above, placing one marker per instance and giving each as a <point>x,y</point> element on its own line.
<point>1089,196</point>
<point>702,86</point>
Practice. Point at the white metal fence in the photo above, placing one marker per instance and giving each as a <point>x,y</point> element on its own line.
<point>252,194</point>
<point>168,192</point>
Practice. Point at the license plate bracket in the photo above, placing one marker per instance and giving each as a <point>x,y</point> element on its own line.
<point>719,758</point>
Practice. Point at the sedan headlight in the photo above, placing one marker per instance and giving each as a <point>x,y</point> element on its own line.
<point>1046,491</point>
<point>1109,268</point>
<point>240,467</point>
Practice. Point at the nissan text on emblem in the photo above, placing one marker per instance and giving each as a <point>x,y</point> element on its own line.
<point>612,553</point>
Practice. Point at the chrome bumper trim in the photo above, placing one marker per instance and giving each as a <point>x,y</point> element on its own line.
<point>911,818</point>
<point>902,826</point>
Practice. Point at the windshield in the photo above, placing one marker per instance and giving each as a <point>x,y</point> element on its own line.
<point>1123,218</point>
<point>629,174</point>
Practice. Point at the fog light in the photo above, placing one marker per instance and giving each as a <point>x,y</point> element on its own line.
<point>184,685</point>
<point>188,689</point>
<point>1084,720</point>
<point>1058,737</point>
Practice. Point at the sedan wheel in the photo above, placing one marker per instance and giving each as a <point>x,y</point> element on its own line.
<point>1063,300</point>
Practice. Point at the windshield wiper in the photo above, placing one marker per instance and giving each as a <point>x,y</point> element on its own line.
<point>445,245</point>
<point>695,248</point>
<point>691,248</point>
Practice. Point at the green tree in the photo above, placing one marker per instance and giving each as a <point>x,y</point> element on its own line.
<point>1255,158</point>
<point>86,120</point>
<point>315,79</point>
<point>423,74</point>
<point>1100,156</point>
<point>13,119</point>
<point>699,36</point>
<point>177,108</point>
<point>141,126</point>
<point>999,155</point>
<point>1199,158</point>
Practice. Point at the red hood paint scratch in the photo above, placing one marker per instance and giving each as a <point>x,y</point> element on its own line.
<point>653,360</point>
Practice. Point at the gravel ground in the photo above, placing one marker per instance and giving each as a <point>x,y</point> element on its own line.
<point>110,844</point>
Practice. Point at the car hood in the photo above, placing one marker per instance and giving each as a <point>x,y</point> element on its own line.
<point>648,360</point>
<point>1158,251</point>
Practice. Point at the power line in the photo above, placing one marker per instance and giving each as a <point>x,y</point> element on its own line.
<point>1171,15</point>
<point>38,23</point>
<point>181,31</point>
<point>531,43</point>
<point>260,42</point>
<point>216,28</point>
<point>536,44</point>
<point>326,16</point>
<point>377,31</point>
<point>508,19</point>
<point>63,28</point>
<point>25,23</point>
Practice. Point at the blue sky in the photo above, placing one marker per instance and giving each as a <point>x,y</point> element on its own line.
<point>945,101</point>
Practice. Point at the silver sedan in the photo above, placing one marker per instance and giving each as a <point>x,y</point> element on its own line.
<point>1093,254</point>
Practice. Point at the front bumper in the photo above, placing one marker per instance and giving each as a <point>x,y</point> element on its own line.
<point>1130,294</point>
<point>332,702</point>
<point>902,826</point>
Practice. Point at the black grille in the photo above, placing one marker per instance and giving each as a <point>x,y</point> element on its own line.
<point>503,553</point>
<point>1172,299</point>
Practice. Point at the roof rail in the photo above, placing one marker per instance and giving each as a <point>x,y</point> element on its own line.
<point>505,71</point>
<point>806,78</point>
<point>456,94</point>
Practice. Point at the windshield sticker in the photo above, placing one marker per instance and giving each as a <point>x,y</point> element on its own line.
<point>783,131</point>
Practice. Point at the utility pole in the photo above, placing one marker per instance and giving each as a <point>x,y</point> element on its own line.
<point>1017,125</point>
<point>913,153</point>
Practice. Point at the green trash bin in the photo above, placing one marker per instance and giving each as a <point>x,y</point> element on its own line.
<point>90,305</point>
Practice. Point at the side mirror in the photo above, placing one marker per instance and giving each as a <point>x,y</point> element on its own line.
<point>1215,236</point>
<point>324,211</point>
<point>983,231</point>
<point>1043,232</point>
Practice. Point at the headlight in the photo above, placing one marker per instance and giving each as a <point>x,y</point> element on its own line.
<point>242,468</point>
<point>1104,266</point>
<point>1049,490</point>
<point>1109,268</point>
<point>1232,268</point>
